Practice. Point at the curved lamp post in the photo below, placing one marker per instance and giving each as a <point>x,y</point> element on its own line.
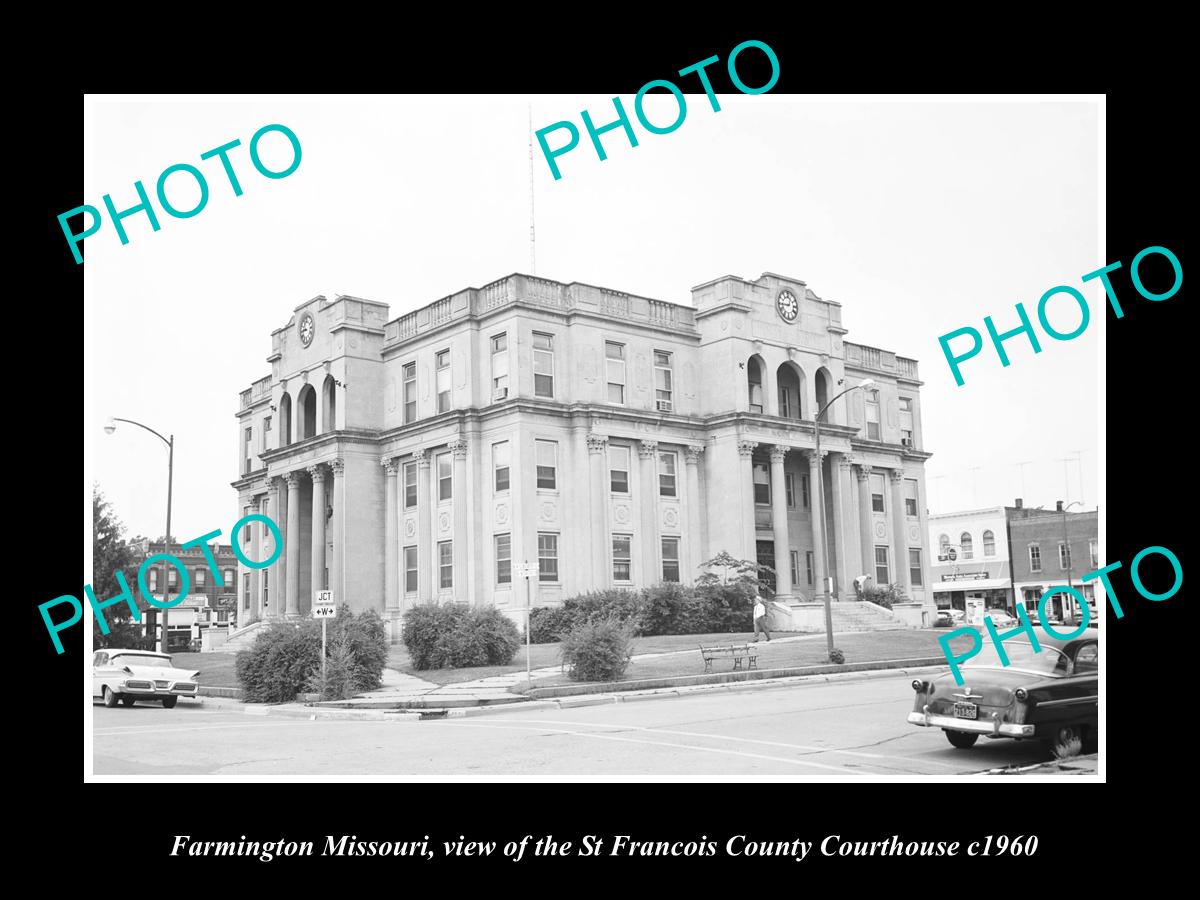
<point>820,491</point>
<point>109,427</point>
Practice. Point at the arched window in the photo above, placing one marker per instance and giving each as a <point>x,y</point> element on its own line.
<point>967,549</point>
<point>754,380</point>
<point>285,420</point>
<point>790,380</point>
<point>306,401</point>
<point>823,393</point>
<point>329,403</point>
<point>989,544</point>
<point>944,543</point>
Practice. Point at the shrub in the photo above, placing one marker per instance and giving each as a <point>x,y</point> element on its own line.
<point>424,625</point>
<point>884,595</point>
<point>597,651</point>
<point>837,656</point>
<point>614,603</point>
<point>494,633</point>
<point>281,662</point>
<point>365,638</point>
<point>338,682</point>
<point>670,608</point>
<point>547,624</point>
<point>725,607</point>
<point>455,637</point>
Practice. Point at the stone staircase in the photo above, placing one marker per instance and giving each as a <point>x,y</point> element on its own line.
<point>863,616</point>
<point>243,638</point>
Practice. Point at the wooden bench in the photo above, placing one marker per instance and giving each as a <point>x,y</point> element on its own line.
<point>736,652</point>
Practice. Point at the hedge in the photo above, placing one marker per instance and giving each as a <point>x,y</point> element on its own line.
<point>451,636</point>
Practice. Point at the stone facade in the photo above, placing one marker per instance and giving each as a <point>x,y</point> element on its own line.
<point>607,438</point>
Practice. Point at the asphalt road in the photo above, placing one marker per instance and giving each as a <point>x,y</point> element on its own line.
<point>806,732</point>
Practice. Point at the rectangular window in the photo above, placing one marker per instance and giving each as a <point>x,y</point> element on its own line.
<point>504,559</point>
<point>882,576</point>
<point>754,381</point>
<point>500,367</point>
<point>877,486</point>
<point>789,487</point>
<point>442,367</point>
<point>762,484</point>
<point>445,564</point>
<point>266,583</point>
<point>199,580</point>
<point>794,556</point>
<point>1092,551</point>
<point>173,576</point>
<point>266,434</point>
<point>906,421</point>
<point>804,490</point>
<point>614,368</point>
<point>410,570</point>
<point>500,463</point>
<point>543,365</point>
<point>664,381</point>
<point>547,464</point>
<point>245,590</point>
<point>910,497</point>
<point>410,393</point>
<point>670,558</point>
<point>246,445</point>
<point>228,578</point>
<point>914,566</point>
<point>808,565</point>
<point>246,532</point>
<point>622,563</point>
<point>154,579</point>
<point>785,402</point>
<point>547,556</point>
<point>410,485</point>
<point>666,474</point>
<point>872,401</point>
<point>1035,558</point>
<point>618,469</point>
<point>1063,556</point>
<point>445,476</point>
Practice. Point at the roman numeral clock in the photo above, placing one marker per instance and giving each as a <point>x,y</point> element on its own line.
<point>787,306</point>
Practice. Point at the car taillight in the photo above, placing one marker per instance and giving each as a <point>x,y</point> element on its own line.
<point>918,685</point>
<point>1021,694</point>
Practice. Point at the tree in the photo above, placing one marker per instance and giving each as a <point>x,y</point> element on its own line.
<point>729,592</point>
<point>110,554</point>
<point>734,571</point>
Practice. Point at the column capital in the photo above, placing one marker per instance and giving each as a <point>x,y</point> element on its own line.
<point>255,500</point>
<point>291,479</point>
<point>391,466</point>
<point>459,448</point>
<point>422,458</point>
<point>746,448</point>
<point>845,462</point>
<point>647,449</point>
<point>338,466</point>
<point>317,472</point>
<point>864,472</point>
<point>897,475</point>
<point>692,453</point>
<point>778,452</point>
<point>812,458</point>
<point>596,442</point>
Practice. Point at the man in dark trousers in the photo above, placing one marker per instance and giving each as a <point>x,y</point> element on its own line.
<point>760,618</point>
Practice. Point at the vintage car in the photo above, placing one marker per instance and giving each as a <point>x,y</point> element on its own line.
<point>1050,695</point>
<point>944,619</point>
<point>127,676</point>
<point>1002,618</point>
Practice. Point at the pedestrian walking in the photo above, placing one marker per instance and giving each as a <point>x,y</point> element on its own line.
<point>760,619</point>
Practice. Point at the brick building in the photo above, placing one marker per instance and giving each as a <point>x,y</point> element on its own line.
<point>210,603</point>
<point>1049,548</point>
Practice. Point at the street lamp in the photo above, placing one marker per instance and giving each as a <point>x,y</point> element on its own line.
<point>1068,603</point>
<point>111,426</point>
<point>820,491</point>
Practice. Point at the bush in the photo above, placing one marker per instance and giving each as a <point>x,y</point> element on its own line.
<point>338,682</point>
<point>725,607</point>
<point>547,624</point>
<point>598,651</point>
<point>885,595</point>
<point>281,662</point>
<point>455,637</point>
<point>837,656</point>
<point>365,639</point>
<point>614,603</point>
<point>671,608</point>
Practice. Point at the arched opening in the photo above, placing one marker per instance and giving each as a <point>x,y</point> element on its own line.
<point>943,543</point>
<point>824,384</point>
<point>754,381</point>
<point>285,420</point>
<point>964,542</point>
<point>307,421</point>
<point>989,543</point>
<point>329,403</point>
<point>790,379</point>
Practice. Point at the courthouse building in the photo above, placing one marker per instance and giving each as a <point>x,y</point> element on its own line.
<point>608,439</point>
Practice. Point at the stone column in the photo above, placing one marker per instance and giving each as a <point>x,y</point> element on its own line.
<point>337,571</point>
<point>866,530</point>
<point>318,529</point>
<point>816,506</point>
<point>693,548</point>
<point>292,540</point>
<point>256,533</point>
<point>779,521</point>
<point>648,526</point>
<point>391,570</point>
<point>425,561</point>
<point>276,591</point>
<point>847,537</point>
<point>459,494</point>
<point>597,445</point>
<point>746,454</point>
<point>899,533</point>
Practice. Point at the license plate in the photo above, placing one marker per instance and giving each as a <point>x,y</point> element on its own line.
<point>966,711</point>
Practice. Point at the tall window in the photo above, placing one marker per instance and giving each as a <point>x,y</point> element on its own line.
<point>754,379</point>
<point>410,570</point>
<point>173,576</point>
<point>670,559</point>
<point>442,367</point>
<point>266,434</point>
<point>410,393</point>
<point>789,486</point>
<point>547,556</point>
<point>906,421</point>
<point>245,590</point>
<point>1092,550</point>
<point>154,579</point>
<point>445,475</point>
<point>500,464</point>
<point>547,464</point>
<point>246,445</point>
<point>410,485</point>
<point>614,368</point>
<point>794,557</point>
<point>1064,554</point>
<point>877,486</point>
<point>618,469</point>
<point>266,584</point>
<point>445,564</point>
<point>666,474</point>
<point>543,365</point>
<point>967,546</point>
<point>246,532</point>
<point>200,577</point>
<point>914,566</point>
<point>1035,558</point>
<point>504,559</point>
<point>872,401</point>
<point>622,564</point>
<point>500,367</point>
<point>664,381</point>
<point>989,544</point>
<point>910,497</point>
<point>882,575</point>
<point>943,543</point>
<point>228,579</point>
<point>762,484</point>
<point>786,401</point>
<point>804,490</point>
<point>808,565</point>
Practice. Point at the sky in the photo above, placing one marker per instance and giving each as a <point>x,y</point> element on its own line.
<point>919,217</point>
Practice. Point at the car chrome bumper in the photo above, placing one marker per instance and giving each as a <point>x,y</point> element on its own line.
<point>153,693</point>
<point>992,726</point>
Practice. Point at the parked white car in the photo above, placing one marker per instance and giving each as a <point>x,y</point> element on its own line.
<point>127,676</point>
<point>1002,618</point>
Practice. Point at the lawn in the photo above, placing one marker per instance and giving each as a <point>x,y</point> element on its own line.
<point>216,669</point>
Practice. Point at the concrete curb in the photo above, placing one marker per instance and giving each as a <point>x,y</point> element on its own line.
<point>234,693</point>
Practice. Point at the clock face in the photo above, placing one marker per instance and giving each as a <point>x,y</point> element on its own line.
<point>787,306</point>
<point>307,327</point>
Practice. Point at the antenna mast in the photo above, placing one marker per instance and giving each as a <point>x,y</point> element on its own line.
<point>532,242</point>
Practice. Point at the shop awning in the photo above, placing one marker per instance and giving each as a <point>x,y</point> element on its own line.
<point>979,584</point>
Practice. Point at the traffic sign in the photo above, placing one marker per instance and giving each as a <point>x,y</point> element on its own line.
<point>525,570</point>
<point>323,606</point>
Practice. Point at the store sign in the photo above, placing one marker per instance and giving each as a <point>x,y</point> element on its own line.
<point>966,576</point>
